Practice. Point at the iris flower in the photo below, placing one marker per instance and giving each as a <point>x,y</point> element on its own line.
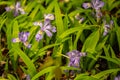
<point>45,27</point>
<point>79,18</point>
<point>107,27</point>
<point>95,4</point>
<point>22,37</point>
<point>117,77</point>
<point>74,58</point>
<point>16,8</point>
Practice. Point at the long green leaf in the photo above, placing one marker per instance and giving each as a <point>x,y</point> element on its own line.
<point>42,72</point>
<point>58,19</point>
<point>91,42</point>
<point>118,36</point>
<point>84,77</point>
<point>103,73</point>
<point>114,60</point>
<point>26,60</point>
<point>50,7</point>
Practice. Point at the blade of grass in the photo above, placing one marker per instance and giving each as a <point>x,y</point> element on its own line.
<point>103,73</point>
<point>50,7</point>
<point>58,19</point>
<point>91,42</point>
<point>42,72</point>
<point>26,60</point>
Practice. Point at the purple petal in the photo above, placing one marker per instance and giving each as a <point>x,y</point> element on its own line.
<point>107,26</point>
<point>14,40</point>
<point>17,5</point>
<point>49,17</point>
<point>105,32</point>
<point>8,8</point>
<point>27,44</point>
<point>81,20</point>
<point>16,13</point>
<point>98,14</point>
<point>101,4</point>
<point>86,5</point>
<point>53,29</point>
<point>47,23</point>
<point>49,34</point>
<point>116,78</point>
<point>38,36</point>
<point>97,4</point>
<point>27,33</point>
<point>21,10</point>
<point>82,54</point>
<point>28,77</point>
<point>38,24</point>
<point>111,22</point>
<point>23,36</point>
<point>48,27</point>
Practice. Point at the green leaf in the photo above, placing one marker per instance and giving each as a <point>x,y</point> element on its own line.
<point>40,52</point>
<point>30,6</point>
<point>15,29</point>
<point>118,36</point>
<point>58,19</point>
<point>9,34</point>
<point>91,42</point>
<point>11,77</point>
<point>114,4</point>
<point>34,12</point>
<point>84,77</point>
<point>42,72</point>
<point>5,3</point>
<point>72,30</point>
<point>26,60</point>
<point>106,51</point>
<point>101,44</point>
<point>68,68</point>
<point>78,36</point>
<point>15,33</point>
<point>114,60</point>
<point>2,20</point>
<point>48,62</point>
<point>58,73</point>
<point>50,76</point>
<point>50,7</point>
<point>104,73</point>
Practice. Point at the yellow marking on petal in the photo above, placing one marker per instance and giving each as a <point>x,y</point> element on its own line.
<point>89,4</point>
<point>40,32</point>
<point>12,7</point>
<point>51,17</point>
<point>17,39</point>
<point>26,43</point>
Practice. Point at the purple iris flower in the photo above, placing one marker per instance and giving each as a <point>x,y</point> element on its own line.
<point>79,18</point>
<point>22,37</point>
<point>17,9</point>
<point>95,4</point>
<point>45,27</point>
<point>98,14</point>
<point>74,58</point>
<point>27,77</point>
<point>117,77</point>
<point>49,17</point>
<point>86,5</point>
<point>107,27</point>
